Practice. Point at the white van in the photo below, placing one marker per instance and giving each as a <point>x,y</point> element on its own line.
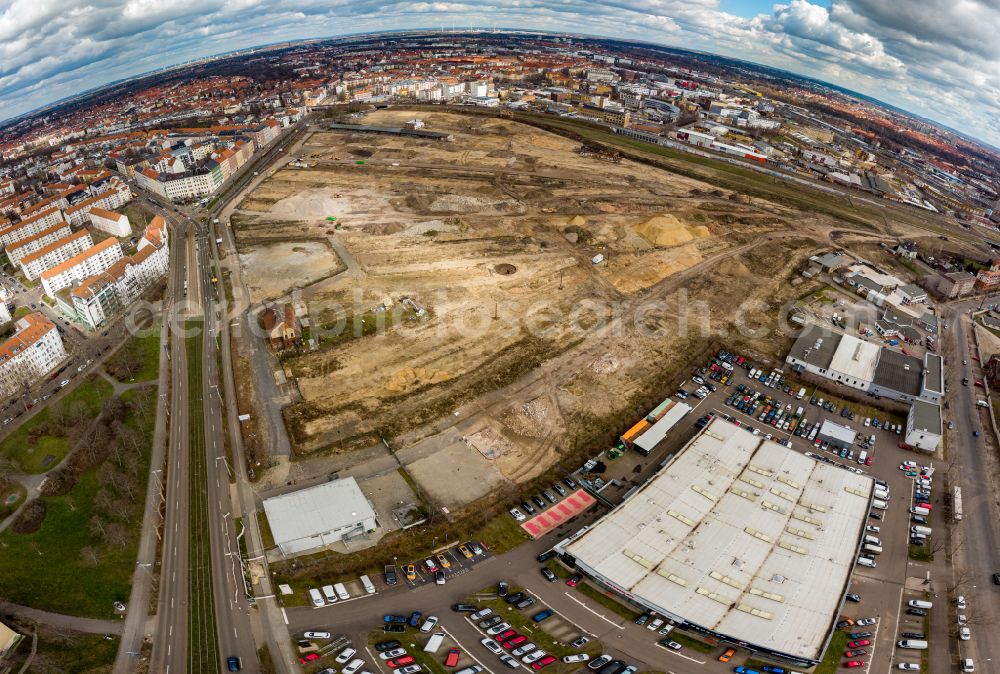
<point>801,395</point>
<point>341,591</point>
<point>368,585</point>
<point>866,561</point>
<point>926,531</point>
<point>919,603</point>
<point>316,597</point>
<point>917,644</point>
<point>917,510</point>
<point>873,540</point>
<point>434,643</point>
<point>328,592</point>
<point>861,459</point>
<point>873,549</point>
<point>880,494</point>
<point>880,504</point>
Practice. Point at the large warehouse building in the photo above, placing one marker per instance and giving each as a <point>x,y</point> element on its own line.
<point>314,517</point>
<point>738,538</point>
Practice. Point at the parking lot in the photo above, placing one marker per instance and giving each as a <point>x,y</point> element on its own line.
<point>452,562</point>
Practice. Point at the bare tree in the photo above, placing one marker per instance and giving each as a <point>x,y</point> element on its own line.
<point>89,556</point>
<point>96,526</point>
<point>117,534</point>
<point>120,510</point>
<point>103,500</point>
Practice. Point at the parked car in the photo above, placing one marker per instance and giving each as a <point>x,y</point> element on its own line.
<point>549,574</point>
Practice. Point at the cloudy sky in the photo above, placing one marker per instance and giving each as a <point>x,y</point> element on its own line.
<point>938,58</point>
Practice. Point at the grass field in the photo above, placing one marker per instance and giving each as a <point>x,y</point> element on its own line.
<point>834,654</point>
<point>70,652</point>
<point>30,457</point>
<point>11,497</point>
<point>46,570</point>
<point>606,601</point>
<point>138,359</point>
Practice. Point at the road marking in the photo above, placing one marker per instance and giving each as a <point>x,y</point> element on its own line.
<point>681,655</point>
<point>284,616</point>
<point>612,623</point>
<point>896,632</point>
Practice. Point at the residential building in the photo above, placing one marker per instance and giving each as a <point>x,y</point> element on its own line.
<point>55,253</point>
<point>912,294</point>
<point>5,316</point>
<point>955,284</point>
<point>8,639</point>
<point>30,226</point>
<point>283,327</point>
<point>107,200</point>
<point>113,223</point>
<point>989,278</point>
<point>20,249</point>
<point>34,350</point>
<point>91,261</point>
<point>105,294</point>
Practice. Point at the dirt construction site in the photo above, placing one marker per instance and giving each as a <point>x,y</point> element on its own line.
<point>494,302</point>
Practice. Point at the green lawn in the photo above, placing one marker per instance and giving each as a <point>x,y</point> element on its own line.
<point>834,654</point>
<point>690,642</point>
<point>921,553</point>
<point>607,601</point>
<point>46,569</point>
<point>138,359</point>
<point>30,456</point>
<point>11,496</point>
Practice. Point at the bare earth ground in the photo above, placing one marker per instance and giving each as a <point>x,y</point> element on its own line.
<point>516,347</point>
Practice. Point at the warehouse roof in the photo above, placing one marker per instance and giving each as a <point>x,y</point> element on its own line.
<point>899,372</point>
<point>842,433</point>
<point>816,346</point>
<point>926,417</point>
<point>655,433</point>
<point>933,373</point>
<point>312,511</point>
<point>855,358</point>
<point>738,535</point>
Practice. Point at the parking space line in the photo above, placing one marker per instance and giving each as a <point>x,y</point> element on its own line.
<point>614,624</point>
<point>467,651</point>
<point>899,615</point>
<point>681,655</point>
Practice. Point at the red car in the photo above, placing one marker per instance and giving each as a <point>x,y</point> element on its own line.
<point>859,643</point>
<point>544,662</point>
<point>401,661</point>
<point>504,636</point>
<point>516,641</point>
<point>855,663</point>
<point>868,461</point>
<point>309,657</point>
<point>574,579</point>
<point>452,659</point>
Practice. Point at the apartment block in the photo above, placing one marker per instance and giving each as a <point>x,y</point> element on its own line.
<point>106,294</point>
<point>19,249</point>
<point>91,261</point>
<point>109,200</point>
<point>29,226</point>
<point>113,223</point>
<point>55,253</point>
<point>34,350</point>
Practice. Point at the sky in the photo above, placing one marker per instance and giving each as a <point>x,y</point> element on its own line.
<point>936,58</point>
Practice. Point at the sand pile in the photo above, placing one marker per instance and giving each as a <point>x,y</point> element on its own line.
<point>667,230</point>
<point>413,377</point>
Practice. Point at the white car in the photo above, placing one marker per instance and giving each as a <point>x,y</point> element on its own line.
<point>576,657</point>
<point>498,628</point>
<point>316,635</point>
<point>962,620</point>
<point>960,602</point>
<point>492,646</point>
<point>517,515</point>
<point>355,665</point>
<point>534,655</point>
<point>964,634</point>
<point>394,653</point>
<point>865,621</point>
<point>874,528</point>
<point>429,624</point>
<point>509,661</point>
<point>345,655</point>
<point>968,665</point>
<point>526,648</point>
<point>908,666</point>
<point>409,669</point>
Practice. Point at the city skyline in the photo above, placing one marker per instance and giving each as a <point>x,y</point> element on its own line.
<point>905,59</point>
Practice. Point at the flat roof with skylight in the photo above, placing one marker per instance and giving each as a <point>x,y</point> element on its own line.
<point>737,536</point>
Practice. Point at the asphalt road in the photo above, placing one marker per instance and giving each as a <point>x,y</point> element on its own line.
<point>978,534</point>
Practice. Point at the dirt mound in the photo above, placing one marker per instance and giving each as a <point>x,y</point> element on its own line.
<point>460,203</point>
<point>667,230</point>
<point>414,377</point>
<point>531,419</point>
<point>733,267</point>
<point>501,154</point>
<point>578,221</point>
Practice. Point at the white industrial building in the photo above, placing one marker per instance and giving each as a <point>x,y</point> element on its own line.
<point>836,435</point>
<point>867,367</point>
<point>654,435</point>
<point>738,538</point>
<point>923,426</point>
<point>33,351</point>
<point>314,517</point>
